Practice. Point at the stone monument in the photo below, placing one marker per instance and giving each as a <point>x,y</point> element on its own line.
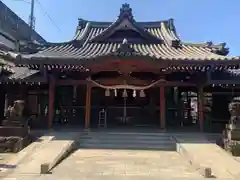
<point>231,134</point>
<point>15,114</point>
<point>14,131</point>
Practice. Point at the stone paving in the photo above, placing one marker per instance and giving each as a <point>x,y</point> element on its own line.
<point>126,163</point>
<point>99,164</point>
<point>47,148</point>
<point>208,154</point>
<point>5,158</point>
<point>116,164</point>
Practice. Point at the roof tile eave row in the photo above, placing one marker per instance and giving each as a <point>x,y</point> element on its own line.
<point>95,50</point>
<point>183,59</point>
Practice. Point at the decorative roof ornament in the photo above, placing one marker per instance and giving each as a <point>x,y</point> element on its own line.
<point>81,22</point>
<point>223,45</point>
<point>125,22</point>
<point>126,11</point>
<point>171,24</point>
<point>209,43</point>
<point>125,41</point>
<point>125,49</point>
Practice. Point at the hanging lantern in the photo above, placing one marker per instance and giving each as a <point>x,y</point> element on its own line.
<point>115,92</point>
<point>124,93</point>
<point>107,92</point>
<point>142,94</point>
<point>134,93</point>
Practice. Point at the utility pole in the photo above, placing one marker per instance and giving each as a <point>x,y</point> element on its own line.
<point>32,20</point>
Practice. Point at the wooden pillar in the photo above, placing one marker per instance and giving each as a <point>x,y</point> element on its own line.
<point>88,106</point>
<point>51,99</point>
<point>2,104</point>
<point>201,108</point>
<point>162,108</point>
<point>6,104</point>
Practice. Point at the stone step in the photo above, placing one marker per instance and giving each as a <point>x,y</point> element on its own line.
<point>169,147</point>
<point>128,141</point>
<point>93,141</point>
<point>134,138</point>
<point>127,135</point>
<point>124,133</point>
<point>142,138</point>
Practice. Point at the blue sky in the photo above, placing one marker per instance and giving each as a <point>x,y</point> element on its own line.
<point>195,20</point>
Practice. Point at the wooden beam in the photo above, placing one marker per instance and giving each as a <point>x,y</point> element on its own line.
<point>176,84</point>
<point>237,82</point>
<point>121,80</point>
<point>124,66</point>
<point>113,82</point>
<point>69,82</point>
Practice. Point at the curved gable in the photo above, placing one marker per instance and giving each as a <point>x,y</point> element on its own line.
<point>125,24</point>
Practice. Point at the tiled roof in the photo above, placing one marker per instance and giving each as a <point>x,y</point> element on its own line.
<point>21,74</point>
<point>5,66</point>
<point>158,40</point>
<point>159,51</point>
<point>9,72</point>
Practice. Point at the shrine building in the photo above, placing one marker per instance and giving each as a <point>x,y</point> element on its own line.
<point>122,74</point>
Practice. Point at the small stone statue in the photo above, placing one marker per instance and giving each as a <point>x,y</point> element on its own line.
<point>14,131</point>
<point>15,112</point>
<point>231,134</point>
<point>234,109</point>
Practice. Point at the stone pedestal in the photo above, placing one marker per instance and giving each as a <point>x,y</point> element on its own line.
<point>6,131</point>
<point>7,123</point>
<point>232,139</point>
<point>13,138</point>
<point>14,132</point>
<point>235,133</point>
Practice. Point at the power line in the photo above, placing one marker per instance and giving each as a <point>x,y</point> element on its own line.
<point>42,8</point>
<point>48,16</point>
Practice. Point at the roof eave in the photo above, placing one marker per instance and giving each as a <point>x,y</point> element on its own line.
<point>83,61</point>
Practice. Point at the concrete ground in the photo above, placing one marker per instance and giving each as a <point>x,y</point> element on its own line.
<point>117,164</point>
<point>5,158</point>
<point>207,154</point>
<point>99,164</point>
<point>47,149</point>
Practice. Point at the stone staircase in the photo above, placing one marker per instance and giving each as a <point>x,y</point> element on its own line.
<point>127,140</point>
